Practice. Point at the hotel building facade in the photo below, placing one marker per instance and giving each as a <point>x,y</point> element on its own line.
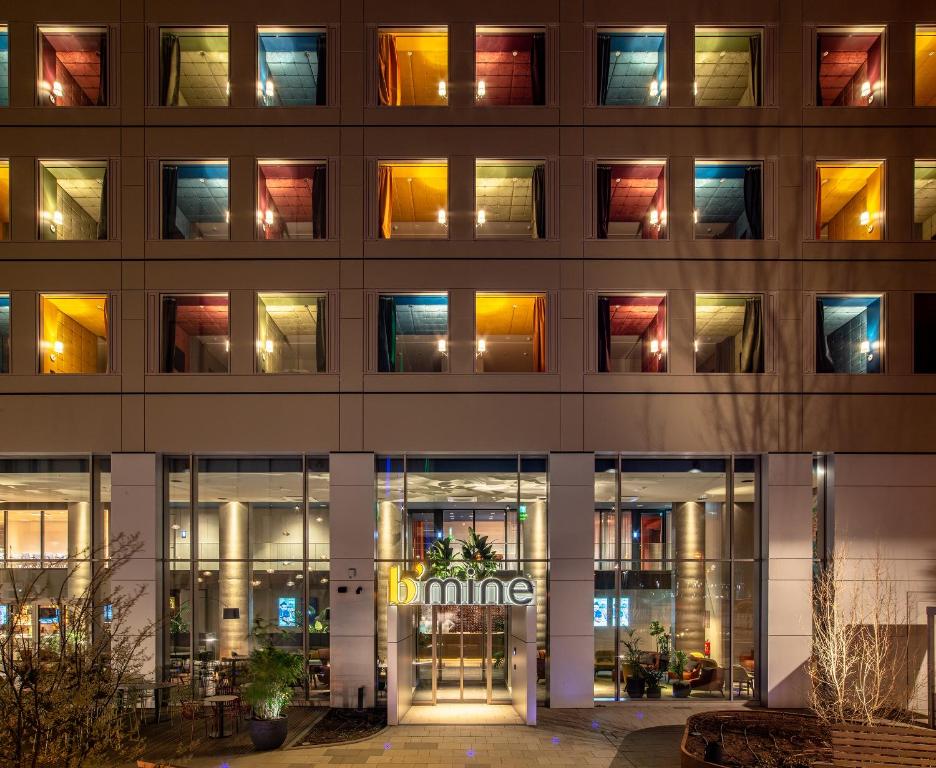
<point>313,298</point>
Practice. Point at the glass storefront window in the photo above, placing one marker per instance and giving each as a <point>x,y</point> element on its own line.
<point>849,334</point>
<point>291,65</point>
<point>74,333</point>
<point>194,200</point>
<point>729,67</point>
<point>412,333</point>
<point>665,574</point>
<point>195,333</point>
<point>291,200</point>
<point>193,67</point>
<point>72,67</point>
<point>73,200</point>
<point>729,333</point>
<point>292,333</point>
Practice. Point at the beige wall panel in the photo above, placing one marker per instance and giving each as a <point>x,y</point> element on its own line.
<point>869,423</point>
<point>60,423</point>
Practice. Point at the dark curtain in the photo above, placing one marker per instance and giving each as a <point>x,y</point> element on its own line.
<point>385,201</point>
<point>388,69</point>
<point>538,67</point>
<point>924,327</point>
<point>539,202</point>
<point>604,334</point>
<point>319,201</point>
<point>539,334</point>
<point>819,71</point>
<point>102,77</point>
<point>818,204</point>
<point>171,65</point>
<point>102,219</point>
<point>753,201</point>
<point>168,362</point>
<point>604,67</point>
<point>824,362</point>
<point>752,337</point>
<point>321,87</point>
<point>603,199</point>
<point>756,85</point>
<point>386,334</point>
<point>321,332</point>
<point>170,190</point>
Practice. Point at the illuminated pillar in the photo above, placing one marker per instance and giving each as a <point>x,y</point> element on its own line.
<point>389,547</point>
<point>234,577</point>
<point>79,546</point>
<point>535,553</point>
<point>689,545</point>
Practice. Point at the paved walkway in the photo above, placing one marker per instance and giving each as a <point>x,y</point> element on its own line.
<point>614,736</point>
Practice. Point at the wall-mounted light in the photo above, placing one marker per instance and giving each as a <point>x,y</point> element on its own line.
<point>866,89</point>
<point>441,217</point>
<point>654,217</point>
<point>442,345</point>
<point>58,347</point>
<point>482,217</point>
<point>227,88</point>
<point>269,89</point>
<point>443,89</point>
<point>227,345</point>
<point>57,91</point>
<point>695,345</point>
<point>695,89</point>
<point>695,216</point>
<point>654,347</point>
<point>654,89</point>
<point>268,346</point>
<point>864,347</point>
<point>268,217</point>
<point>482,346</point>
<point>481,89</point>
<point>864,218</point>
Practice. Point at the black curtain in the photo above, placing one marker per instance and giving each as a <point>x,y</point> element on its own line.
<point>102,77</point>
<point>170,191</point>
<point>753,201</point>
<point>603,199</point>
<point>168,363</point>
<point>818,70</point>
<point>756,89</point>
<point>319,201</point>
<point>604,334</point>
<point>386,334</point>
<point>321,87</point>
<point>102,219</point>
<point>171,65</point>
<point>604,67</point>
<point>538,67</point>
<point>539,202</point>
<point>824,362</point>
<point>752,338</point>
<point>321,333</point>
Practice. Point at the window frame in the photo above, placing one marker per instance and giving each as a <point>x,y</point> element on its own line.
<point>916,33</point>
<point>156,100</point>
<point>518,161</point>
<point>760,161</point>
<point>374,197</point>
<point>76,161</point>
<point>838,29</point>
<point>882,296</point>
<point>160,295</point>
<point>256,327</point>
<point>913,332</point>
<point>923,162</point>
<point>373,362</point>
<point>109,70</point>
<point>593,342</point>
<point>551,348</point>
<point>5,27</point>
<point>601,160</point>
<point>840,162</point>
<point>160,164</point>
<point>261,161</point>
<point>508,29</point>
<point>289,29</point>
<point>649,29</point>
<point>767,322</point>
<point>110,328</point>
<point>373,99</point>
<point>727,29</point>
<point>5,162</point>
<point>8,293</point>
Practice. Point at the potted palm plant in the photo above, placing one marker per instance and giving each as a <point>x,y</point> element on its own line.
<point>272,673</point>
<point>681,688</point>
<point>478,555</point>
<point>441,557</point>
<point>636,678</point>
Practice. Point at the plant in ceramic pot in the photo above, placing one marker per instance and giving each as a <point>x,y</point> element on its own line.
<point>637,679</point>
<point>677,667</point>
<point>272,673</point>
<point>478,555</point>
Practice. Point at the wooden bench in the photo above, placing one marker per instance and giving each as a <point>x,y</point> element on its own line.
<point>861,746</point>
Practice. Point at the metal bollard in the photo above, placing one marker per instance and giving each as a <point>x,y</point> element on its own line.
<point>360,698</point>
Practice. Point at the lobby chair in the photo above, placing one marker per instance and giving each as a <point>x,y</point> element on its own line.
<point>742,678</point>
<point>711,678</point>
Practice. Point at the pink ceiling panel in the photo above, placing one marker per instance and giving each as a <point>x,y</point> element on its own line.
<point>632,318</point>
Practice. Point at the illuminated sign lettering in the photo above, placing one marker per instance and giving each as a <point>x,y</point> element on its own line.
<point>409,588</point>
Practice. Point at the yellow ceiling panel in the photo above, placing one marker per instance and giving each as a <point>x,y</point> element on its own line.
<point>423,62</point>
<point>420,190</point>
<point>840,183</point>
<point>504,315</point>
<point>87,311</point>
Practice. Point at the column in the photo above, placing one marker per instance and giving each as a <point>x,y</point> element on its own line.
<point>233,579</point>
<point>572,579</point>
<point>79,546</point>
<point>689,549</point>
<point>135,500</point>
<point>351,479</point>
<point>788,559</point>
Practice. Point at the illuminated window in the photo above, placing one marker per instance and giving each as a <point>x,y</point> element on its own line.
<point>632,334</point>
<point>412,333</point>
<point>630,200</point>
<point>729,202</point>
<point>195,200</point>
<point>412,67</point>
<point>193,67</point>
<point>924,92</point>
<point>74,333</point>
<point>510,333</point>
<point>291,200</point>
<point>412,199</point>
<point>4,199</point>
<point>850,200</point>
<point>4,66</point>
<point>510,66</point>
<point>195,335</point>
<point>849,334</point>
<point>510,198</point>
<point>924,200</point>
<point>632,67</point>
<point>850,67</point>
<point>73,200</point>
<point>729,67</point>
<point>291,333</point>
<point>4,333</point>
<point>290,67</point>
<point>729,333</point>
<point>72,67</point>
